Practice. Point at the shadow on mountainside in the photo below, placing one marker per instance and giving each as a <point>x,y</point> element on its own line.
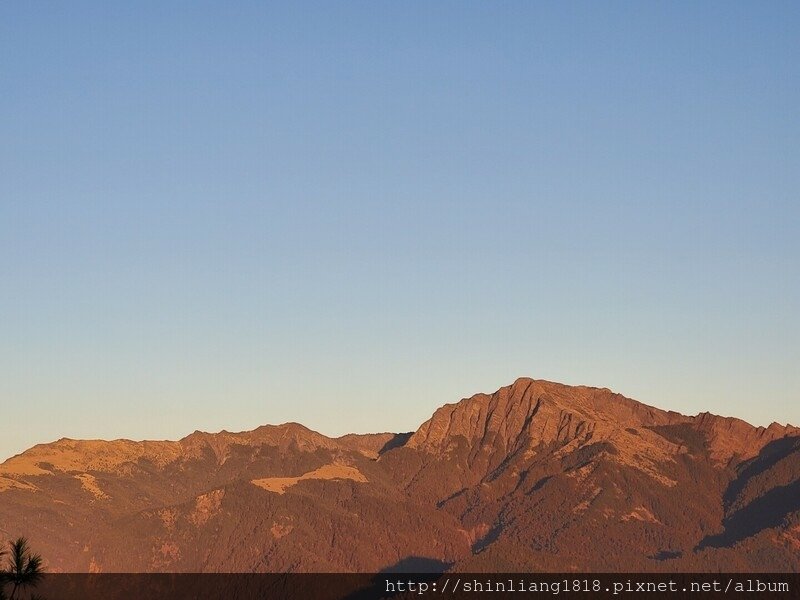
<point>398,441</point>
<point>765,511</point>
<point>377,587</point>
<point>771,454</point>
<point>418,564</point>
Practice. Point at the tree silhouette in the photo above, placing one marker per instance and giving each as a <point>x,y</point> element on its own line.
<point>22,569</point>
<point>2,576</point>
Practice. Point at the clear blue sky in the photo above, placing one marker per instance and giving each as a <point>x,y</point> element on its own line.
<point>347,214</point>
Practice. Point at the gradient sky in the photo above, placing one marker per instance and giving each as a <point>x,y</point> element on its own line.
<point>347,214</point>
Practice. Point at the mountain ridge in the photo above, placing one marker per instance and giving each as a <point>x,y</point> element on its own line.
<point>517,479</point>
<point>707,419</point>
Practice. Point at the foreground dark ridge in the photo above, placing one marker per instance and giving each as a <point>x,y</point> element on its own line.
<point>537,475</point>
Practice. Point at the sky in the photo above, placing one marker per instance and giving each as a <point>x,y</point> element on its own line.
<point>220,215</point>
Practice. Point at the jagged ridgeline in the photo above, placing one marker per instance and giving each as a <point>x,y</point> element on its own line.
<point>537,476</point>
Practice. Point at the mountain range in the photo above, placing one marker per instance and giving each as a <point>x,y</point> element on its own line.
<point>537,476</point>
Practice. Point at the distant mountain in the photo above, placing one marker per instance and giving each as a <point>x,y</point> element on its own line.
<point>536,476</point>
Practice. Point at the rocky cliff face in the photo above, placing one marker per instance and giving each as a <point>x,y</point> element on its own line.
<point>537,475</point>
<point>530,414</point>
<point>532,411</point>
